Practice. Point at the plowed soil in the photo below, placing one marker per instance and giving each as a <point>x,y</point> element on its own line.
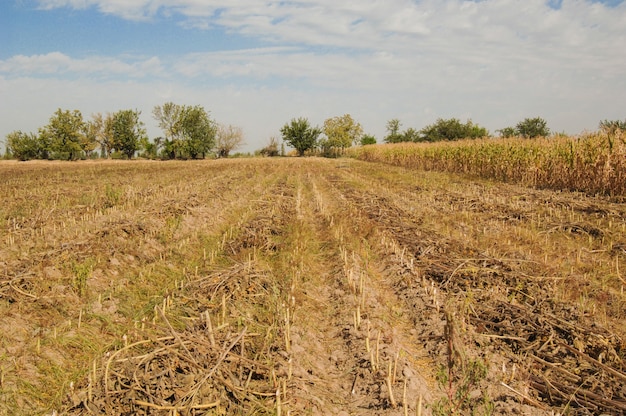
<point>304,286</point>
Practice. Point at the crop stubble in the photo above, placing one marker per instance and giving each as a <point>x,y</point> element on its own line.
<point>308,285</point>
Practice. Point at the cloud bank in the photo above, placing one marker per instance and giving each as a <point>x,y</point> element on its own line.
<point>495,61</point>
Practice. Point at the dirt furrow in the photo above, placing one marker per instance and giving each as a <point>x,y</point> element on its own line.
<point>472,285</point>
<point>354,347</point>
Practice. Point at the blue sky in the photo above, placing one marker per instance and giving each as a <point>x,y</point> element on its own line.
<point>259,63</point>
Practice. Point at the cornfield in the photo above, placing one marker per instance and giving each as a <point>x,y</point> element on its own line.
<point>593,163</point>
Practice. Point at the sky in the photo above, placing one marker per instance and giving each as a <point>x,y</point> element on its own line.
<point>257,64</point>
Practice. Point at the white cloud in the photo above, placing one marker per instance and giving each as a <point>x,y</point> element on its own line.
<point>581,32</point>
<point>359,23</point>
<point>495,61</point>
<point>126,9</point>
<point>57,63</point>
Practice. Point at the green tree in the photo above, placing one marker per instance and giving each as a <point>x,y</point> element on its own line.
<point>103,128</point>
<point>150,148</point>
<point>196,130</point>
<point>612,126</point>
<point>532,127</point>
<point>128,132</point>
<point>507,132</point>
<point>169,149</point>
<point>228,138</point>
<point>326,150</point>
<point>341,132</point>
<point>189,131</point>
<point>168,116</point>
<point>451,129</point>
<point>410,135</point>
<point>45,143</point>
<point>23,146</point>
<point>300,135</point>
<point>393,131</point>
<point>368,139</point>
<point>89,138</point>
<point>64,134</point>
<point>475,131</point>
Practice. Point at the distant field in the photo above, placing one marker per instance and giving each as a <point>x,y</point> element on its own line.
<point>305,286</point>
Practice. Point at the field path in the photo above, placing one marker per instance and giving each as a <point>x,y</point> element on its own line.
<point>343,300</point>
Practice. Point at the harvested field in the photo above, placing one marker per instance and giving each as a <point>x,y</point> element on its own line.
<point>304,286</point>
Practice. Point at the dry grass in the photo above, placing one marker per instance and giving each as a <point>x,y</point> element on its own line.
<point>276,286</point>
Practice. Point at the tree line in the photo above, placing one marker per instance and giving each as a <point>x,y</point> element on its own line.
<point>188,133</point>
<point>454,129</point>
<point>339,133</point>
<point>342,132</point>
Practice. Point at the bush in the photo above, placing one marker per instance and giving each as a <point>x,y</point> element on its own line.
<point>271,150</point>
<point>452,129</point>
<point>23,146</point>
<point>368,139</point>
<point>527,128</point>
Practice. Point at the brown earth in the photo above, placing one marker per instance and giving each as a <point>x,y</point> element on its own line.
<point>304,286</point>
